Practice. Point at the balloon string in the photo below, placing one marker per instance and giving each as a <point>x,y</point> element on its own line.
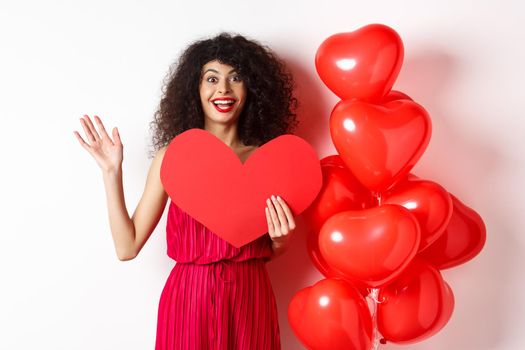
<point>378,197</point>
<point>376,336</point>
<point>373,296</point>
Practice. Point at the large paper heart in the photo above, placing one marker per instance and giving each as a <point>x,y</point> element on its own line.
<point>362,64</point>
<point>371,245</point>
<point>331,315</point>
<point>206,179</point>
<point>428,201</point>
<point>463,239</point>
<point>380,143</point>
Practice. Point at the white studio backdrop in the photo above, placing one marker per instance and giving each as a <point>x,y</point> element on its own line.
<point>61,284</point>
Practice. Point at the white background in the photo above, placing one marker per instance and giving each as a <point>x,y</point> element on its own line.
<point>61,284</point>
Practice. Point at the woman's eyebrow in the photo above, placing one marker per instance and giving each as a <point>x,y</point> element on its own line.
<point>216,71</point>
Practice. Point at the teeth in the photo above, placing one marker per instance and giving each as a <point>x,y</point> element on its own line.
<point>219,102</point>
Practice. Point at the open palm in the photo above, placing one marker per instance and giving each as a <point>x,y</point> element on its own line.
<point>107,153</point>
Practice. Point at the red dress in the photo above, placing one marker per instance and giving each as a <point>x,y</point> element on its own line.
<point>217,297</point>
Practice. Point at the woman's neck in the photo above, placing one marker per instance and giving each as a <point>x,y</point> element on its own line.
<point>227,134</point>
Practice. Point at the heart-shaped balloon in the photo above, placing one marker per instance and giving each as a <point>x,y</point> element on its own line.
<point>340,192</point>
<point>395,95</point>
<point>371,245</point>
<point>331,315</point>
<point>380,143</point>
<point>362,64</point>
<point>206,179</point>
<point>463,239</point>
<point>428,201</point>
<point>416,305</point>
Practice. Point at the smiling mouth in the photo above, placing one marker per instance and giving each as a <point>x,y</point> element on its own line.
<point>223,105</point>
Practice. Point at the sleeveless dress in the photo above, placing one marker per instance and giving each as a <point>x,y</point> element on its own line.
<point>217,296</point>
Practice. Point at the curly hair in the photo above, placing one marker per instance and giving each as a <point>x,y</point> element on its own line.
<point>270,106</point>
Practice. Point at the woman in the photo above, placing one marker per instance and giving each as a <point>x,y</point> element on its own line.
<point>217,296</point>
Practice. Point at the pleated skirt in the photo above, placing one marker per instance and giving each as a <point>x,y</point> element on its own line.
<point>224,305</point>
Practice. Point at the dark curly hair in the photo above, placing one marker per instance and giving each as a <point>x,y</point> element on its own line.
<point>269,110</point>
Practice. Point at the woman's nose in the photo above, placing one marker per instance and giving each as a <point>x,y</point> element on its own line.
<point>224,87</point>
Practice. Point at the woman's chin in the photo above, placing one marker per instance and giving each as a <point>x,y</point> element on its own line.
<point>222,118</point>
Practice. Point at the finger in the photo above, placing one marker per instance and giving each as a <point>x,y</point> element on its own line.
<point>281,215</point>
<point>275,219</point>
<point>116,136</point>
<point>92,128</point>
<point>269,221</point>
<point>87,130</point>
<point>102,129</point>
<point>288,212</point>
<point>81,140</point>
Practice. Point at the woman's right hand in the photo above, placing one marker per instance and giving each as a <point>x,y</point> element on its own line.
<point>107,153</point>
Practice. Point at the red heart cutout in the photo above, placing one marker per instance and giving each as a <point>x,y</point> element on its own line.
<point>463,239</point>
<point>371,245</point>
<point>331,315</point>
<point>362,64</point>
<point>380,143</point>
<point>429,202</point>
<point>206,179</point>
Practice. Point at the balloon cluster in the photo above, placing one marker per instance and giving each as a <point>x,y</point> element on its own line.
<point>379,234</point>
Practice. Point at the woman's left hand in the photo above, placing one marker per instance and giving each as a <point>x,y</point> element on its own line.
<point>280,220</point>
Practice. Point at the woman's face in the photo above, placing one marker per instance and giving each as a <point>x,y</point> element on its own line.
<point>222,92</point>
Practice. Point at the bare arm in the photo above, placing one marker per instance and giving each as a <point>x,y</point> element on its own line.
<point>129,234</point>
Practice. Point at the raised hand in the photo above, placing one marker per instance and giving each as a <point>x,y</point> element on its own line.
<point>107,153</point>
<point>280,220</point>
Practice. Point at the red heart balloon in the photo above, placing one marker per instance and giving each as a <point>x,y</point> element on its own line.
<point>416,305</point>
<point>395,95</point>
<point>428,201</point>
<point>340,192</point>
<point>371,245</point>
<point>206,179</point>
<point>331,315</point>
<point>380,143</point>
<point>362,64</point>
<point>463,239</point>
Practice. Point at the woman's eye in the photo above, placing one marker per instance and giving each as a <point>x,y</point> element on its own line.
<point>211,79</point>
<point>236,78</point>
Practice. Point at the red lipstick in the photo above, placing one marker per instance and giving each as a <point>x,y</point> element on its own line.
<point>223,104</point>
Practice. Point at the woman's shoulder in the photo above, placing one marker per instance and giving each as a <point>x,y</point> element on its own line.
<point>162,150</point>
<point>158,158</point>
<point>159,155</point>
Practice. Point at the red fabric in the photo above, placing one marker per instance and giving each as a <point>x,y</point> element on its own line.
<point>217,297</point>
